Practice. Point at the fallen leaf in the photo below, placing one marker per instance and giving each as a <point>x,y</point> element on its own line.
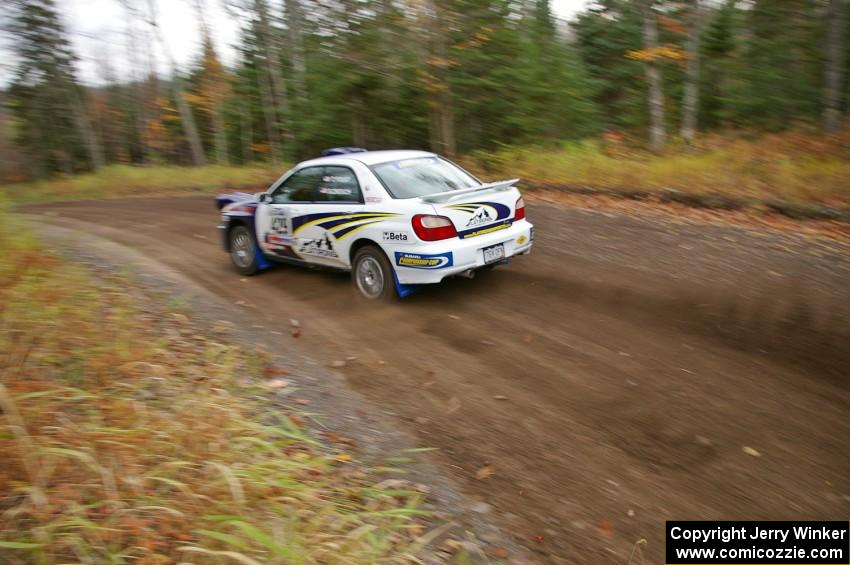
<point>604,529</point>
<point>750,451</point>
<point>337,364</point>
<point>296,332</point>
<point>498,552</point>
<point>278,383</point>
<point>302,401</point>
<point>485,473</point>
<point>274,371</point>
<point>343,457</point>
<point>538,538</point>
<point>294,323</point>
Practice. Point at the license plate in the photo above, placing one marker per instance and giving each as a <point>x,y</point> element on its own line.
<point>494,253</point>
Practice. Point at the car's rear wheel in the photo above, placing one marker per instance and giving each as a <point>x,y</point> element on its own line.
<point>243,253</point>
<point>372,274</point>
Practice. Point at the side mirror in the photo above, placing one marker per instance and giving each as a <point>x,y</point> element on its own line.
<point>263,197</point>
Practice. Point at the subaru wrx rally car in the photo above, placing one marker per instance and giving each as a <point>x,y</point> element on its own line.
<point>395,219</point>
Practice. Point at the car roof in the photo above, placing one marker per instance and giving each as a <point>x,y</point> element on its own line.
<point>368,157</point>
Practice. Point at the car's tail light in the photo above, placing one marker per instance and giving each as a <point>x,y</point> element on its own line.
<point>519,209</point>
<point>433,228</point>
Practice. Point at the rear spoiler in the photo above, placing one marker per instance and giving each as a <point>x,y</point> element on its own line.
<point>446,196</point>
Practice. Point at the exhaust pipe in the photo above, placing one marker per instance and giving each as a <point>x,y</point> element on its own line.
<point>467,274</point>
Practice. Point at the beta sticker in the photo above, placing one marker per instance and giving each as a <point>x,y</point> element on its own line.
<point>396,237</point>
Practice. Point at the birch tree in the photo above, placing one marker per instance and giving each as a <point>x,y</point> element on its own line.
<point>186,117</point>
<point>834,70</point>
<point>657,129</point>
<point>690,100</point>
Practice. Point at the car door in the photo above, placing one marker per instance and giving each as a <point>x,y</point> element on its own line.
<point>290,199</point>
<point>335,211</point>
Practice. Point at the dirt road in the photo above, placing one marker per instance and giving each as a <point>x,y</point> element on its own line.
<point>608,382</point>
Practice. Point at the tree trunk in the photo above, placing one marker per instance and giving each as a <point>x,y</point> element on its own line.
<point>295,23</point>
<point>93,147</point>
<point>279,97</point>
<point>221,156</point>
<point>246,132</point>
<point>358,121</point>
<point>690,100</point>
<point>447,122</point>
<point>186,117</point>
<point>834,73</point>
<point>189,127</point>
<point>441,95</point>
<point>657,131</point>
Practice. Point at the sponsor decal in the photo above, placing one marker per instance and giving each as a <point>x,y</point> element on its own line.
<point>322,247</point>
<point>331,178</point>
<point>494,210</point>
<point>521,240</point>
<point>279,225</point>
<point>279,239</point>
<point>337,191</point>
<point>396,237</point>
<point>373,199</point>
<point>481,216</point>
<point>485,230</point>
<point>416,261</point>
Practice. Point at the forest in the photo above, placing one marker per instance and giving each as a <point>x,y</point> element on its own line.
<point>461,77</point>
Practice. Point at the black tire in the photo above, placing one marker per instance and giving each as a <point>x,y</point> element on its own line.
<point>372,274</point>
<point>243,250</point>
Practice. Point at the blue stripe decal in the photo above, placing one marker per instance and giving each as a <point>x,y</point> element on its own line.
<point>502,211</point>
<point>298,221</point>
<point>339,234</point>
<point>349,218</point>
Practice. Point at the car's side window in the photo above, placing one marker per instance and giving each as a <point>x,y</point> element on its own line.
<point>298,187</point>
<point>337,184</point>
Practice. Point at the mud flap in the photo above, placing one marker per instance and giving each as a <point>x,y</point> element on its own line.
<point>262,262</point>
<point>404,290</point>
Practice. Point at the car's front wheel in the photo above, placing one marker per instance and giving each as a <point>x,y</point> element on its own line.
<point>243,251</point>
<point>372,274</point>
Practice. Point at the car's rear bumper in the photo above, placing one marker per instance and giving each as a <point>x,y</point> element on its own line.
<point>431,263</point>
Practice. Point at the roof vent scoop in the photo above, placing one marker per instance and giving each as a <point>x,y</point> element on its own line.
<point>342,151</point>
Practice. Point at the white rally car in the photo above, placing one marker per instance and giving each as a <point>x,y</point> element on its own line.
<point>396,219</point>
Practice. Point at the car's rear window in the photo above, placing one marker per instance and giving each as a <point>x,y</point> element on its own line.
<point>421,176</point>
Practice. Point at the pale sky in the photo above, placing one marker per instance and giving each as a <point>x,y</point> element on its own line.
<point>99,31</point>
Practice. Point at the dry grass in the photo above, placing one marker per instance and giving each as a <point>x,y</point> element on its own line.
<point>797,167</point>
<point>121,181</point>
<point>126,435</point>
